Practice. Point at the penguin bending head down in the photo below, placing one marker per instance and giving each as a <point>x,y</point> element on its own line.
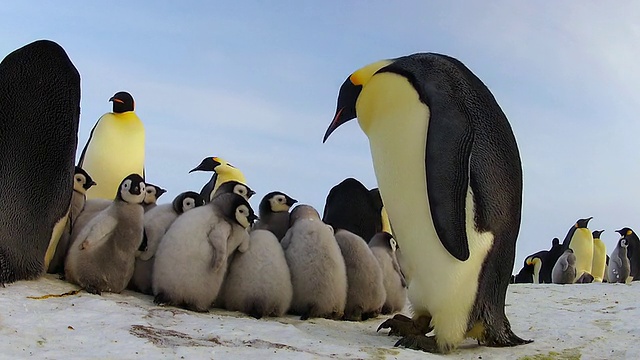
<point>39,114</point>
<point>449,172</point>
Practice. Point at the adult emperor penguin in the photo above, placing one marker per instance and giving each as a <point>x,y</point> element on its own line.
<point>350,206</point>
<point>115,148</point>
<point>580,240</point>
<point>550,260</point>
<point>39,113</point>
<point>222,172</point>
<point>449,172</point>
<point>633,250</point>
<point>538,260</point>
<point>599,262</point>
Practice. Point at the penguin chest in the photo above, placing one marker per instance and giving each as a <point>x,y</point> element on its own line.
<point>582,246</point>
<point>396,123</point>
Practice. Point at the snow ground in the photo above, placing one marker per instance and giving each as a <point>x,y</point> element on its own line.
<point>585,321</point>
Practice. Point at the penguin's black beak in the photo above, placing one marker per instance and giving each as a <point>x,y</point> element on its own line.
<point>159,192</point>
<point>251,193</point>
<point>346,108</point>
<point>252,218</point>
<point>291,201</point>
<point>208,164</point>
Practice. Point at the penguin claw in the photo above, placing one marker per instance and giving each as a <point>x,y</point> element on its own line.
<point>401,325</point>
<point>419,342</point>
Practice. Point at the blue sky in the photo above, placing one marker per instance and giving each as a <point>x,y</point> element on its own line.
<point>256,84</point>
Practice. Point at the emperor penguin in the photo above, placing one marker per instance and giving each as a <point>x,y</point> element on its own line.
<point>619,265</point>
<point>525,275</point>
<point>350,206</point>
<point>537,260</point>
<point>233,186</point>
<point>151,196</point>
<point>580,240</point>
<point>366,293</point>
<point>318,271</point>
<point>222,172</point>
<point>40,110</point>
<point>383,247</point>
<point>258,281</point>
<point>102,257</point>
<point>564,270</point>
<point>550,259</point>
<point>82,181</point>
<point>192,257</point>
<point>449,172</point>
<point>115,147</point>
<point>156,223</point>
<point>633,251</point>
<point>599,261</point>
<point>273,213</point>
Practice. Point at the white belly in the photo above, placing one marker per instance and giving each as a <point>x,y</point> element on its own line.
<point>442,286</point>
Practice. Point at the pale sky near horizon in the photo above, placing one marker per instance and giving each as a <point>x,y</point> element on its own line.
<point>256,84</point>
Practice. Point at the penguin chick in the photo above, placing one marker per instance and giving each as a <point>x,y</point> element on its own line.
<point>151,196</point>
<point>191,260</point>
<point>258,281</point>
<point>619,266</point>
<point>365,288</point>
<point>351,206</point>
<point>236,187</point>
<point>102,258</point>
<point>222,172</point>
<point>564,271</point>
<point>383,246</point>
<point>273,213</point>
<point>156,224</point>
<point>318,272</point>
<point>81,183</point>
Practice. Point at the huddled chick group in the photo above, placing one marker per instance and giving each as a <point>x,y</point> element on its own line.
<point>207,250</point>
<point>582,258</point>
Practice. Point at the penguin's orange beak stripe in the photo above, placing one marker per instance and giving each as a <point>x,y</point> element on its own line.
<point>118,101</point>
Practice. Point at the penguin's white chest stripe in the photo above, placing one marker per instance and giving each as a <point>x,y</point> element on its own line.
<point>396,122</point>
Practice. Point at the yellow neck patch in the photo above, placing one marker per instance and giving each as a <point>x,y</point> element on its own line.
<point>362,75</point>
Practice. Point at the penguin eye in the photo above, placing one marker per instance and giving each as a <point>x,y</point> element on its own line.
<point>78,178</point>
<point>126,185</point>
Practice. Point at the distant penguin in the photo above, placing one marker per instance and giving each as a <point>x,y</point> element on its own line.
<point>82,181</point>
<point>564,270</point>
<point>233,186</point>
<point>383,247</point>
<point>318,272</point>
<point>580,240</point>
<point>258,281</point>
<point>273,213</point>
<point>599,261</point>
<point>449,171</point>
<point>550,259</point>
<point>156,224</point>
<point>537,260</point>
<point>606,271</point>
<point>525,275</point>
<point>350,206</point>
<point>115,148</point>
<point>102,257</point>
<point>365,288</point>
<point>39,113</point>
<point>222,172</point>
<point>633,251</point>
<point>151,196</point>
<point>192,257</point>
<point>619,265</point>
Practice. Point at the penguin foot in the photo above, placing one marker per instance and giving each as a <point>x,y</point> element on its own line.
<point>401,325</point>
<point>419,342</point>
<point>504,340</point>
<point>92,290</point>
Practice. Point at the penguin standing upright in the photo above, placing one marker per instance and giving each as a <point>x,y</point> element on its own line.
<point>633,250</point>
<point>619,266</point>
<point>222,172</point>
<point>599,262</point>
<point>550,260</point>
<point>115,148</point>
<point>39,114</point>
<point>580,240</point>
<point>351,206</point>
<point>449,172</point>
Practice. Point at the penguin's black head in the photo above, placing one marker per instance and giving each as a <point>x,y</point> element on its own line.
<point>236,209</point>
<point>276,201</point>
<point>555,242</point>
<point>187,201</point>
<point>583,223</point>
<point>385,240</point>
<point>82,180</point>
<point>624,232</point>
<point>131,189</point>
<point>122,102</point>
<point>208,164</point>
<point>152,193</point>
<point>377,199</point>
<point>596,233</point>
<point>233,186</point>
<point>569,250</point>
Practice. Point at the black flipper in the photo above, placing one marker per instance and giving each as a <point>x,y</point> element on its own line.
<point>86,146</point>
<point>448,153</point>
